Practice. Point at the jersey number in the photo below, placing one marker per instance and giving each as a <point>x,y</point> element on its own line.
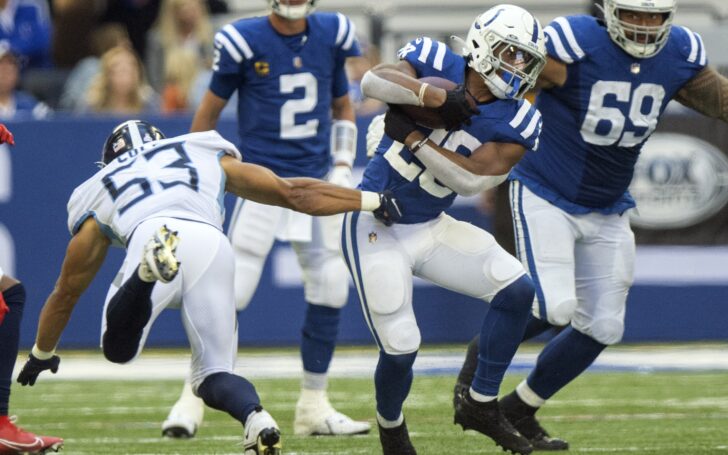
<point>644,109</point>
<point>412,171</point>
<point>116,185</point>
<point>288,84</point>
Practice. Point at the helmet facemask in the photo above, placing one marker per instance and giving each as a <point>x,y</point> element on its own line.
<point>508,69</point>
<point>641,41</point>
<point>292,12</point>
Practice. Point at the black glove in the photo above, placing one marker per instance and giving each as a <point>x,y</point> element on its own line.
<point>456,109</point>
<point>388,211</point>
<point>397,124</point>
<point>33,366</point>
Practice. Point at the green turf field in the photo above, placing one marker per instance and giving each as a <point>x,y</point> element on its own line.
<point>615,413</point>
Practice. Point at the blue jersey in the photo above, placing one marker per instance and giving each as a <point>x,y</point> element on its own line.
<point>285,87</point>
<point>595,125</point>
<point>394,167</point>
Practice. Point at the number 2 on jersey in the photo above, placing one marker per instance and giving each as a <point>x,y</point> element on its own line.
<point>598,113</point>
<point>288,84</point>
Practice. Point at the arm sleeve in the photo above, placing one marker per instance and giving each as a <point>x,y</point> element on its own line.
<point>564,38</point>
<point>427,56</point>
<point>231,51</point>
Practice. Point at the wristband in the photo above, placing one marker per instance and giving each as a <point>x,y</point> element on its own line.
<point>41,355</point>
<point>369,201</point>
<point>421,95</point>
<point>416,145</point>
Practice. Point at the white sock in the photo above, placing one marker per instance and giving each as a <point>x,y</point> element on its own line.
<point>528,396</point>
<point>314,381</point>
<point>384,423</point>
<point>480,398</point>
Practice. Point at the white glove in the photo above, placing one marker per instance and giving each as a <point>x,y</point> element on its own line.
<point>375,132</point>
<point>340,175</point>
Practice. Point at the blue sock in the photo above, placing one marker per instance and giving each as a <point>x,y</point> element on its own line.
<point>230,393</point>
<point>319,337</point>
<point>535,327</point>
<point>392,381</point>
<point>501,334</point>
<point>126,315</point>
<point>563,359</point>
<point>9,338</point>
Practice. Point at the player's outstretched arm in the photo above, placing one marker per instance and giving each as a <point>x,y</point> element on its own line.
<point>397,84</point>
<point>706,93</point>
<point>84,256</point>
<point>485,168</point>
<point>306,195</point>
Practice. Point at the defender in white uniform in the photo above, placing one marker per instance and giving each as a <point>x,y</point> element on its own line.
<point>162,200</point>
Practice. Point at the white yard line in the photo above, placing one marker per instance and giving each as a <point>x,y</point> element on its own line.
<point>176,366</point>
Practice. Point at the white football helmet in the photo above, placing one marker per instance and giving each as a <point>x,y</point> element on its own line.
<point>292,11</point>
<point>506,46</point>
<point>639,41</point>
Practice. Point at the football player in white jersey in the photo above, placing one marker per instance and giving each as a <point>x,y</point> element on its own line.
<point>605,86</point>
<point>504,53</point>
<point>163,200</point>
<point>296,119</point>
<point>14,439</point>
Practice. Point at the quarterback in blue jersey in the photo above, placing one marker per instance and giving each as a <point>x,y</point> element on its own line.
<point>295,118</point>
<point>605,86</point>
<point>504,53</point>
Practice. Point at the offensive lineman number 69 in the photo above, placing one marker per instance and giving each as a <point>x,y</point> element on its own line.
<point>598,112</point>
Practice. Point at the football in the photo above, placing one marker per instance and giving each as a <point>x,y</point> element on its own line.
<point>428,116</point>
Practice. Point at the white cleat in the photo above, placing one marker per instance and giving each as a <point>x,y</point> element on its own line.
<point>159,262</point>
<point>315,416</point>
<point>185,417</point>
<point>262,436</point>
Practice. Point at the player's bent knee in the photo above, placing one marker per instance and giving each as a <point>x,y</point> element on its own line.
<point>333,283</point>
<point>402,337</point>
<point>516,296</point>
<point>560,313</point>
<point>607,331</point>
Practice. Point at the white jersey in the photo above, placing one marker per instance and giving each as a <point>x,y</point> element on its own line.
<point>179,177</point>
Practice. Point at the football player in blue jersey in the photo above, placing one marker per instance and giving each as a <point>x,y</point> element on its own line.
<point>605,85</point>
<point>295,118</point>
<point>504,53</point>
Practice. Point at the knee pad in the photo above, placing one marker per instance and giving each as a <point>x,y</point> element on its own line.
<point>384,288</point>
<point>402,337</point>
<point>517,296</point>
<point>328,285</point>
<point>607,331</point>
<point>560,313</point>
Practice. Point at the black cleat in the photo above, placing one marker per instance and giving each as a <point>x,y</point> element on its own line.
<point>486,418</point>
<point>396,441</point>
<point>523,418</point>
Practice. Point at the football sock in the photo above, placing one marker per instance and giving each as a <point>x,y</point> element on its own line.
<point>9,339</point>
<point>502,332</point>
<point>128,312</point>
<point>563,359</point>
<point>319,337</point>
<point>392,381</point>
<point>535,327</point>
<point>230,393</point>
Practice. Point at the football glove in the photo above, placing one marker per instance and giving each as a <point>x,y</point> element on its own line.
<point>389,211</point>
<point>457,109</point>
<point>3,308</point>
<point>375,131</point>
<point>33,367</point>
<point>6,136</point>
<point>398,125</point>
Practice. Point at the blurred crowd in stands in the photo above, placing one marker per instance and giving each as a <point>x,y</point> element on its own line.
<point>117,57</point>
